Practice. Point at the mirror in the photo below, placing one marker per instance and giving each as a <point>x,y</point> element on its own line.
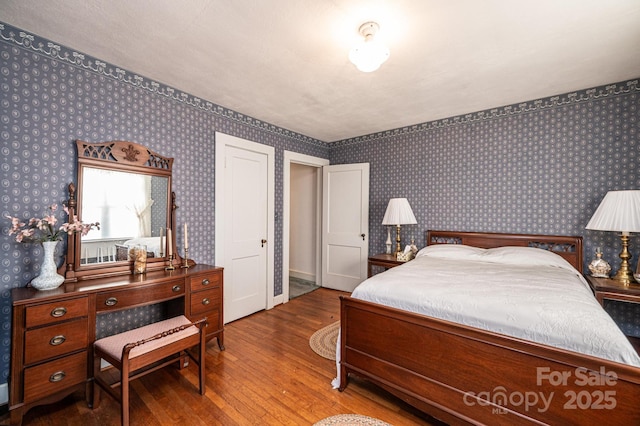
<point>131,209</point>
<point>127,189</point>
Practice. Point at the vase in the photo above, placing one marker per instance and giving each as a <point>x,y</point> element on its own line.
<point>138,254</point>
<point>49,277</point>
<point>599,267</point>
<point>388,243</point>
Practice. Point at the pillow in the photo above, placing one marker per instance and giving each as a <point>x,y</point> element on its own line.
<point>526,256</point>
<point>452,251</point>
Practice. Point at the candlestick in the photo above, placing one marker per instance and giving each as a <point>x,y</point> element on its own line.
<point>186,242</point>
<point>170,267</point>
<point>185,264</point>
<point>169,243</point>
<point>162,248</point>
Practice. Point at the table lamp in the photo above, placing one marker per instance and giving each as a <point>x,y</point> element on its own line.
<point>398,213</point>
<point>619,211</point>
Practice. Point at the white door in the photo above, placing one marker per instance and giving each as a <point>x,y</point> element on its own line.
<point>345,225</point>
<point>245,233</point>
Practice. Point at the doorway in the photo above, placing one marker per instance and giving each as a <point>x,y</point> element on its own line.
<point>302,266</point>
<point>303,234</point>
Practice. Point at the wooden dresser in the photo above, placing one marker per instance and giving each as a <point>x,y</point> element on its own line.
<point>53,331</point>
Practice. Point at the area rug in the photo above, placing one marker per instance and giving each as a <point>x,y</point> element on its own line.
<point>323,341</point>
<point>350,420</point>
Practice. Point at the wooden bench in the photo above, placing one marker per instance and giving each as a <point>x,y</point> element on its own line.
<point>143,350</point>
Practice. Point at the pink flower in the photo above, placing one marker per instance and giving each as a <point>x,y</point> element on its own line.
<point>15,224</point>
<point>46,227</point>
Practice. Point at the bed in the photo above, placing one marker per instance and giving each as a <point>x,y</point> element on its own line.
<point>153,245</point>
<point>484,372</point>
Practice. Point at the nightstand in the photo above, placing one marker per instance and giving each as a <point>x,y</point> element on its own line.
<point>606,288</point>
<point>384,260</point>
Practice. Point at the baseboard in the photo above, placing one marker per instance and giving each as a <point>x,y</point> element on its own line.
<point>4,393</point>
<point>302,275</point>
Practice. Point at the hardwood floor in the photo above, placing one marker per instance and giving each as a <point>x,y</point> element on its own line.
<point>268,375</point>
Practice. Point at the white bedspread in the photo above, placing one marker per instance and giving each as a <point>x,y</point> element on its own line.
<point>152,243</point>
<point>513,291</point>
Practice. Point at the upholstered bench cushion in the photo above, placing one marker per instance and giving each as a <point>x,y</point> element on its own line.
<point>113,345</point>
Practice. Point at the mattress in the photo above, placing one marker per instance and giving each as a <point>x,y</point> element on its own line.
<point>522,292</point>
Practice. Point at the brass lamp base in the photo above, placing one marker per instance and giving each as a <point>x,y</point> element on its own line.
<point>398,248</point>
<point>625,274</point>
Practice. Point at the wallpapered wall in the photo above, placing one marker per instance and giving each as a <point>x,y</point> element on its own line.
<point>538,167</point>
<point>51,96</point>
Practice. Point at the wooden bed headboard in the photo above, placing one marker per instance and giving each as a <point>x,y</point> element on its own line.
<point>570,248</point>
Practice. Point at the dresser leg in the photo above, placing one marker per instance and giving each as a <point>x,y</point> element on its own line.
<point>221,340</point>
<point>15,418</point>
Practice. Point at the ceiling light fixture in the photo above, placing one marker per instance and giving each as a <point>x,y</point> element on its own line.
<point>369,54</point>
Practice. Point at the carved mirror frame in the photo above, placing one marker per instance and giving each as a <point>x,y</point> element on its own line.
<point>121,156</point>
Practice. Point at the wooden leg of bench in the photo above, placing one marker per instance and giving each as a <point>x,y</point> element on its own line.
<point>95,388</point>
<point>124,394</point>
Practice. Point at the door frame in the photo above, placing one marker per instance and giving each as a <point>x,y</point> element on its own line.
<point>222,140</point>
<point>306,160</point>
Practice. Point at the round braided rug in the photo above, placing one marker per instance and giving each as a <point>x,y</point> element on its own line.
<point>323,342</point>
<point>350,420</point>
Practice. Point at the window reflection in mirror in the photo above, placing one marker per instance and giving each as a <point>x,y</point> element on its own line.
<point>131,209</point>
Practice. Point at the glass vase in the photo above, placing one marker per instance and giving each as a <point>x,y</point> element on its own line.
<point>599,267</point>
<point>138,254</point>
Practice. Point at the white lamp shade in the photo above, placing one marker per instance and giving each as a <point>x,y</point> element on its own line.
<point>399,213</point>
<point>619,211</point>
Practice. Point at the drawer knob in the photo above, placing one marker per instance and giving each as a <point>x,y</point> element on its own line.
<point>58,312</point>
<point>176,288</point>
<point>57,340</point>
<point>57,376</point>
<point>112,301</point>
<point>206,301</point>
<point>206,281</point>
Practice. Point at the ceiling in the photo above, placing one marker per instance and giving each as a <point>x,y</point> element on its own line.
<point>286,61</point>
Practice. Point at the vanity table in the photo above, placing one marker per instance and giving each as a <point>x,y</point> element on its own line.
<point>53,331</point>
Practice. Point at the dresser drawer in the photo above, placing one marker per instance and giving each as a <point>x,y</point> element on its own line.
<point>116,300</point>
<point>56,312</point>
<point>55,340</point>
<point>205,281</point>
<point>54,376</point>
<point>204,302</point>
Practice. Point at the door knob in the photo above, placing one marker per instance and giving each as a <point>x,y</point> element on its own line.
<point>362,235</point>
<point>263,242</point>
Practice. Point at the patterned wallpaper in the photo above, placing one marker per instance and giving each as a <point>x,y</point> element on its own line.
<point>51,96</point>
<point>159,191</point>
<point>541,166</point>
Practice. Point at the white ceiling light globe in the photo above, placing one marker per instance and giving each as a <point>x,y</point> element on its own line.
<point>369,54</point>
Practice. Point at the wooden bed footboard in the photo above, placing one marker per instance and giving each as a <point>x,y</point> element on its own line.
<point>463,375</point>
